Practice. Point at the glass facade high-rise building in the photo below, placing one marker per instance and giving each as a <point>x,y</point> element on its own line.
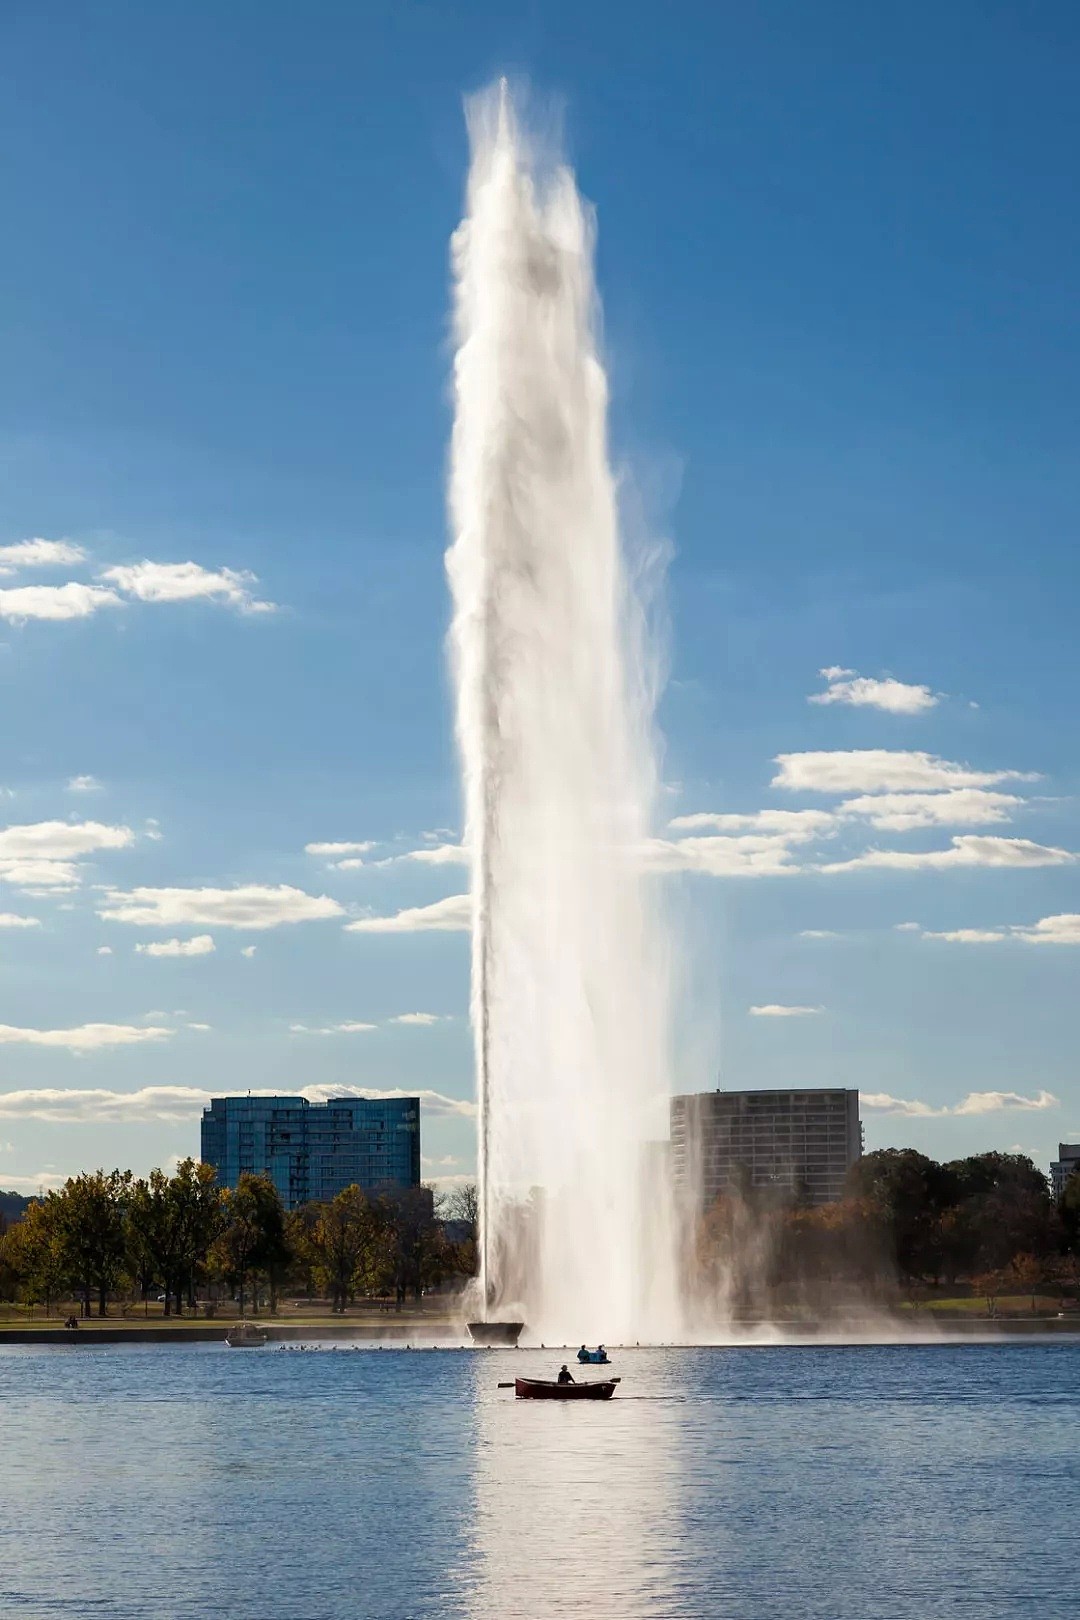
<point>311,1151</point>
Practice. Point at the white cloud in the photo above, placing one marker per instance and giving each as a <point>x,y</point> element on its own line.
<point>61,840</point>
<point>83,784</point>
<point>83,1038</point>
<point>72,601</point>
<point>908,927</point>
<point>252,905</point>
<point>104,950</point>
<point>40,554</point>
<point>434,1103</point>
<point>202,1028</point>
<point>10,919</point>
<point>350,1028</point>
<point>338,849</point>
<point>248,950</point>
<point>42,855</point>
<point>182,1104</point>
<point>895,697</point>
<point>188,582</point>
<point>773,1009</point>
<point>976,1102</point>
<point>1063,929</point>
<point>818,933</point>
<point>750,855</point>
<point>970,849</point>
<point>795,826</point>
<point>444,916</point>
<point>201,945</point>
<point>905,812</point>
<point>967,936</point>
<point>152,829</point>
<point>881,770</point>
<point>439,855</point>
<point>420,1018</point>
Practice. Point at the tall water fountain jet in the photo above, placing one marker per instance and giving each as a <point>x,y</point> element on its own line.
<point>554,715</point>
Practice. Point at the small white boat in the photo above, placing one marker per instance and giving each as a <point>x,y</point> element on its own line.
<point>245,1336</point>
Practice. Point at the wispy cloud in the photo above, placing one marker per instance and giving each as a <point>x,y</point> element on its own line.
<point>907,812</point>
<point>882,770</point>
<point>39,554</point>
<point>254,906</point>
<point>775,1009</point>
<point>182,1104</point>
<point>967,936</point>
<point>248,950</point>
<point>85,1037</point>
<point>187,582</point>
<point>818,933</point>
<point>745,855</point>
<point>967,850</point>
<point>83,784</point>
<point>976,1102</point>
<point>451,915</point>
<point>201,945</point>
<point>11,919</point>
<point>439,855</point>
<point>336,850</point>
<point>1063,929</point>
<point>861,691</point>
<point>352,1027</point>
<point>797,826</point>
<point>419,1018</point>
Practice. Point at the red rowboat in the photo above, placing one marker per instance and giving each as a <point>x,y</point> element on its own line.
<point>541,1389</point>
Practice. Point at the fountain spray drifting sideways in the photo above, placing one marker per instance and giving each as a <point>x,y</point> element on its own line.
<point>554,696</point>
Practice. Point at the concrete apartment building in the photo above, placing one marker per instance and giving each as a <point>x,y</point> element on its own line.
<point>1065,1165</point>
<point>800,1143</point>
<point>311,1151</point>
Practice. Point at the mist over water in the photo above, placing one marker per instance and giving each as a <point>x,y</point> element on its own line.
<point>554,696</point>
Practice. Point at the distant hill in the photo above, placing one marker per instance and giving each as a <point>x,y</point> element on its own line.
<point>12,1205</point>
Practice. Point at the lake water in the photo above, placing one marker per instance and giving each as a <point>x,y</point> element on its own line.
<point>737,1484</point>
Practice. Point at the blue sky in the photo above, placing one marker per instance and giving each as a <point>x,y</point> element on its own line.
<point>837,251</point>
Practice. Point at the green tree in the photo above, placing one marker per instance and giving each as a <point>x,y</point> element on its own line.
<point>1027,1273</point>
<point>342,1240</point>
<point>90,1225</point>
<point>910,1194</point>
<point>32,1251</point>
<point>253,1240</point>
<point>461,1207</point>
<point>1005,1202</point>
<point>418,1249</point>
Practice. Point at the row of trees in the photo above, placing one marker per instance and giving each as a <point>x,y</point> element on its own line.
<point>987,1221</point>
<point>110,1235</point>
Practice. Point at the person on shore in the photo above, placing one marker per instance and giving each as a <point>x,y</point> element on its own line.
<point>565,1375</point>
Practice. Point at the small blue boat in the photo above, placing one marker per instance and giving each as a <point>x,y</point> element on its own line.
<point>595,1358</point>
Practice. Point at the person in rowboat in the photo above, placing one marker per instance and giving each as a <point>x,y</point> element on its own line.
<point>565,1375</point>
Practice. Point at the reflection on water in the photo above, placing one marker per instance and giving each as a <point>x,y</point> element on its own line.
<point>574,1505</point>
<point>827,1483</point>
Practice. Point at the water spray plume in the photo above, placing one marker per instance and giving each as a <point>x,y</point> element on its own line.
<point>554,727</point>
